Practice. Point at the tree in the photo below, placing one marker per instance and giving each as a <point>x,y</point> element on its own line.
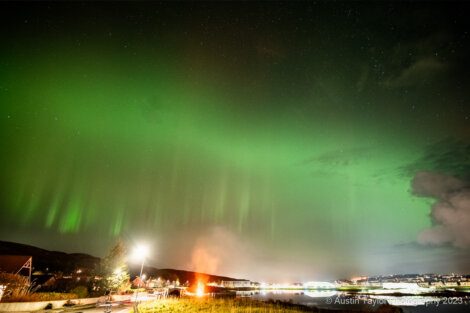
<point>114,270</point>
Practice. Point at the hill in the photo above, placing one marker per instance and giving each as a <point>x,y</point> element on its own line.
<point>50,261</point>
<point>57,261</point>
<point>181,275</point>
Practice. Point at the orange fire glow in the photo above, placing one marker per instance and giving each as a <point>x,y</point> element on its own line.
<point>200,289</point>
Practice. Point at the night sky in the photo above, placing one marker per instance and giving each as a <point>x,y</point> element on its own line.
<point>259,140</point>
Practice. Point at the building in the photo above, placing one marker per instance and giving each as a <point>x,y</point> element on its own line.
<point>319,285</point>
<point>236,284</point>
<point>16,264</point>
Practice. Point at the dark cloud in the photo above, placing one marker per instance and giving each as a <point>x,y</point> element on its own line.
<point>341,157</point>
<point>420,72</point>
<point>422,59</point>
<point>448,156</point>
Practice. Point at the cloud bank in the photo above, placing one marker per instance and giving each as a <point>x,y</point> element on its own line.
<point>451,211</point>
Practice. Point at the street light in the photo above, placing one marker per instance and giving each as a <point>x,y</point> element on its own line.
<point>140,253</point>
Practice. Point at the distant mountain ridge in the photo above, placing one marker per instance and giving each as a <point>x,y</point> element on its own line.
<point>51,261</point>
<point>57,261</point>
<point>181,275</point>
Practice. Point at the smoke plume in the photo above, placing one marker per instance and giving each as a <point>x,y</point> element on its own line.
<point>450,212</point>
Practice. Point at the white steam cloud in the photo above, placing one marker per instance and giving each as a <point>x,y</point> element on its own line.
<point>450,212</point>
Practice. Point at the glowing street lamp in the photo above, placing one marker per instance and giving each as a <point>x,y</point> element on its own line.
<point>139,254</point>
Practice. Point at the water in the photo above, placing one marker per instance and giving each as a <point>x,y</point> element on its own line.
<point>347,301</point>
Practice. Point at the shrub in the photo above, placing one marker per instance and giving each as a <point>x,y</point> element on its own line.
<point>80,291</point>
<point>41,296</point>
<point>16,285</point>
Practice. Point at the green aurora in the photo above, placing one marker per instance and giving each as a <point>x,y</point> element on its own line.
<point>296,139</point>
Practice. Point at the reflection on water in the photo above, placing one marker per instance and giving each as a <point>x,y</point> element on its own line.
<point>320,293</point>
<point>331,299</point>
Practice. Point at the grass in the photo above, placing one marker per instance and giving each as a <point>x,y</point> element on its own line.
<point>463,288</point>
<point>193,305</point>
